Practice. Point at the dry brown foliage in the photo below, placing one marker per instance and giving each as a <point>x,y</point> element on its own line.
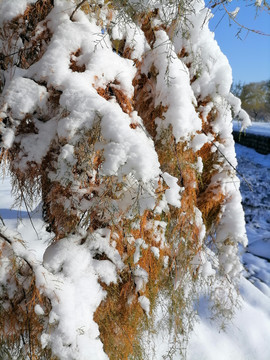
<point>19,323</point>
<point>74,63</point>
<point>120,316</point>
<point>113,90</point>
<point>23,27</point>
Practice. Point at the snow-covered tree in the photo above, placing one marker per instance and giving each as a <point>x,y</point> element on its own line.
<point>117,116</point>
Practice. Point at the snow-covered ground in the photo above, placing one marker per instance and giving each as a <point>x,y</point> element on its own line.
<point>255,190</point>
<point>33,231</point>
<point>247,336</point>
<point>258,128</point>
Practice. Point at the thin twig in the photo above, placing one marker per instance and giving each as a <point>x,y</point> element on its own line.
<point>2,220</point>
<point>4,237</point>
<point>76,8</point>
<point>228,161</point>
<point>28,212</point>
<point>241,25</point>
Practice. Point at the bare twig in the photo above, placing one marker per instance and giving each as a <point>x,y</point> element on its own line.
<point>76,8</point>
<point>5,238</point>
<point>28,212</point>
<point>241,25</point>
<point>228,161</point>
<point>3,223</point>
<point>9,241</point>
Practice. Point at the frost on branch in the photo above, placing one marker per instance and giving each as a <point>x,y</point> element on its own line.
<point>119,119</point>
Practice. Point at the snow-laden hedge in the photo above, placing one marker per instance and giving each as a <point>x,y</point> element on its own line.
<point>118,115</point>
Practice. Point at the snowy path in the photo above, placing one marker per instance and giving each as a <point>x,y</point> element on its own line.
<point>247,337</point>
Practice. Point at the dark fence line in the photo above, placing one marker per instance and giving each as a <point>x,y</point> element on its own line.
<point>258,142</point>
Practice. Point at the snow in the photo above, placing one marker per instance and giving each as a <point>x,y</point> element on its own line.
<point>172,194</point>
<point>199,165</point>
<point>245,337</point>
<point>24,96</point>
<point>140,278</point>
<point>137,255</point>
<point>69,271</point>
<point>16,218</point>
<point>155,251</point>
<point>53,267</point>
<point>255,197</point>
<point>178,93</point>
<point>234,13</point>
<point>39,310</point>
<point>9,10</point>
<point>198,142</point>
<point>66,276</point>
<point>145,304</point>
<point>256,128</point>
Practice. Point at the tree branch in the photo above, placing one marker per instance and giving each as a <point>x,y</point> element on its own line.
<point>228,161</point>
<point>241,25</point>
<point>9,241</point>
<point>77,7</point>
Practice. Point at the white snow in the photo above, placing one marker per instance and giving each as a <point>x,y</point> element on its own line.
<point>69,271</point>
<point>177,92</point>
<point>145,304</point>
<point>198,142</point>
<point>257,128</point>
<point>39,310</point>
<point>245,337</point>
<point>24,96</point>
<point>11,9</point>
<point>172,194</point>
<point>234,13</point>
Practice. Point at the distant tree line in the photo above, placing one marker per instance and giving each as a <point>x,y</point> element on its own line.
<point>255,97</point>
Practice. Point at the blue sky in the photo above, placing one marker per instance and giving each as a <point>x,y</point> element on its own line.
<point>249,57</point>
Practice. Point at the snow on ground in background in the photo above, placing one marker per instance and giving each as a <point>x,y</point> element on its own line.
<point>15,218</point>
<point>247,336</point>
<point>256,201</point>
<point>257,128</point>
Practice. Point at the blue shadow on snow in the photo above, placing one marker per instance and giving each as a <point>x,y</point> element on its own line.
<point>13,214</point>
